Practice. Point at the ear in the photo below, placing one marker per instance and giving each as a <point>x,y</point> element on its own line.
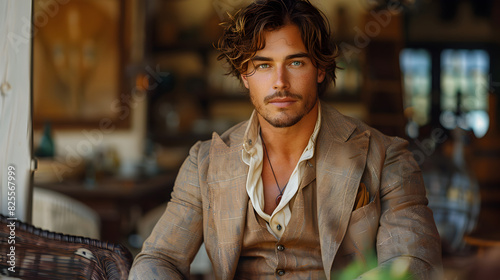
<point>321,75</point>
<point>244,78</point>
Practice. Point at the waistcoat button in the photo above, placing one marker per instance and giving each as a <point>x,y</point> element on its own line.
<point>280,272</point>
<point>278,227</point>
<point>281,247</point>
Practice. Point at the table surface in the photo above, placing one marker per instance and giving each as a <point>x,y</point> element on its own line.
<point>118,202</point>
<point>114,188</point>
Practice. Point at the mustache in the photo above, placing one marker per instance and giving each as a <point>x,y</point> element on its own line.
<point>282,94</point>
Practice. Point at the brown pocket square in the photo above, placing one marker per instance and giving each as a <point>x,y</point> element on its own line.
<point>362,198</point>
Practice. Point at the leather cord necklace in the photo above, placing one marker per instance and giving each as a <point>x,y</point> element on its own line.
<point>278,198</point>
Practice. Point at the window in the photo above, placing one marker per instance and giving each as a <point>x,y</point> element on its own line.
<point>416,74</point>
<point>464,90</point>
<point>461,80</point>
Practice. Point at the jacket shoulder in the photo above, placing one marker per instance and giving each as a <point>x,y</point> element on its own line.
<point>231,138</point>
<point>360,127</point>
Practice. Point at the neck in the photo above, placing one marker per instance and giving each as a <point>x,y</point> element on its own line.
<point>289,142</point>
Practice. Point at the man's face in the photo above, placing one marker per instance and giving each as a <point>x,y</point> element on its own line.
<point>283,80</point>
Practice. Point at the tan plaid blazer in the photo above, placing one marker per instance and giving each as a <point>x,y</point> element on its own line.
<point>209,204</point>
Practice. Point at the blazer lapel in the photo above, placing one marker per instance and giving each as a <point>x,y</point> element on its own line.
<point>341,162</point>
<point>226,179</point>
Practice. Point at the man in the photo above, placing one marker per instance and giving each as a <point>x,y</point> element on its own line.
<point>299,190</point>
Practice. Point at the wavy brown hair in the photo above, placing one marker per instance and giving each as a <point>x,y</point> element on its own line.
<point>244,35</point>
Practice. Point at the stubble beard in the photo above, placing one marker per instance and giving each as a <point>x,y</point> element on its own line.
<point>285,116</point>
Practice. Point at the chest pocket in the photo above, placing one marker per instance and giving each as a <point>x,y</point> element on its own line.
<point>361,234</point>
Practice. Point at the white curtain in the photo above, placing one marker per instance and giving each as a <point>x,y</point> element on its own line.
<point>15,109</point>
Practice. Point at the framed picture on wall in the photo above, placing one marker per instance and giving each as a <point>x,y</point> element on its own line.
<point>79,56</point>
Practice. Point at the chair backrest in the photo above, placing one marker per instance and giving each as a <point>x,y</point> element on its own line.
<point>40,254</point>
<point>60,213</point>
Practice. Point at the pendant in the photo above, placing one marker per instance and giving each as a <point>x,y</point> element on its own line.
<point>278,199</point>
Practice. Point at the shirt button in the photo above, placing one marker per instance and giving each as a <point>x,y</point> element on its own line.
<point>249,142</point>
<point>278,227</point>
<point>280,272</point>
<point>281,247</point>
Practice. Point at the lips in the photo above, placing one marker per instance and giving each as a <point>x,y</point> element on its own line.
<point>282,102</point>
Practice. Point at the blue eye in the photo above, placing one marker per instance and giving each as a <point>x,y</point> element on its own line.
<point>296,63</point>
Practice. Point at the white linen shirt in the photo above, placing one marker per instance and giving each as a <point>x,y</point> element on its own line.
<point>253,156</point>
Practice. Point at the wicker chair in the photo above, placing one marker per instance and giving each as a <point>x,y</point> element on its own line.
<point>42,254</point>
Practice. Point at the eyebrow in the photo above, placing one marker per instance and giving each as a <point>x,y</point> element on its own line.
<point>288,57</point>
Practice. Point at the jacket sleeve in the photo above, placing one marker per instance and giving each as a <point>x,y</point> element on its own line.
<point>167,253</point>
<point>407,235</point>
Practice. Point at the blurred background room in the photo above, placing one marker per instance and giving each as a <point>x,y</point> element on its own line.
<point>123,88</point>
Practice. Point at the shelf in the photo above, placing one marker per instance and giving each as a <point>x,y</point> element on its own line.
<point>186,139</point>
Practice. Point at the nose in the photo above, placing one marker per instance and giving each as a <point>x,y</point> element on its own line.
<point>281,79</point>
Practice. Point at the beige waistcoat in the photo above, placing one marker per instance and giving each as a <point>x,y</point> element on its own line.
<point>297,254</point>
